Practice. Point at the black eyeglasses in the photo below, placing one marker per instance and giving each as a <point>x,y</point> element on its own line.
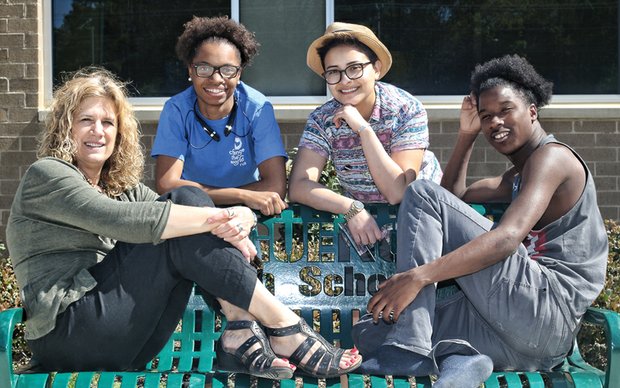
<point>353,71</point>
<point>204,70</point>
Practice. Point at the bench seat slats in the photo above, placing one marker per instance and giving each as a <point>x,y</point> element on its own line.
<point>152,379</point>
<point>378,381</point>
<point>83,379</point>
<point>187,359</point>
<point>423,382</point>
<point>535,380</point>
<point>62,380</point>
<point>106,379</point>
<point>355,380</point>
<point>401,382</point>
<point>512,379</point>
<point>586,379</point>
<point>38,380</point>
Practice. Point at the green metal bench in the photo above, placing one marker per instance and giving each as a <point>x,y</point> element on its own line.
<point>307,266</point>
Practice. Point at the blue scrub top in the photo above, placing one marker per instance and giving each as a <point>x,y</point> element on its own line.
<point>231,162</point>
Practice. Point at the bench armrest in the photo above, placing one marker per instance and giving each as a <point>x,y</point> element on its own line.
<point>610,322</point>
<point>8,319</point>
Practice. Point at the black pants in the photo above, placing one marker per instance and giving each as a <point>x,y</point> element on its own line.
<point>141,293</point>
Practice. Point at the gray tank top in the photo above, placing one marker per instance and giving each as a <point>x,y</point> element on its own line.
<point>573,249</point>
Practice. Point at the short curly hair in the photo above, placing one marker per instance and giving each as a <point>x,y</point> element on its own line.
<point>200,29</point>
<point>516,72</point>
<point>123,169</point>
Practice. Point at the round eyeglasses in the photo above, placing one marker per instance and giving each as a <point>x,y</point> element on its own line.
<point>204,70</point>
<point>353,71</point>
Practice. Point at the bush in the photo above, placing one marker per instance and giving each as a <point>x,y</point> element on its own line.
<point>9,293</point>
<point>328,176</point>
<point>610,296</point>
<point>9,297</point>
<point>591,338</point>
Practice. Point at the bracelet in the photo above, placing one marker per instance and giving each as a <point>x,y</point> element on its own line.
<point>355,208</point>
<point>255,220</point>
<point>363,127</point>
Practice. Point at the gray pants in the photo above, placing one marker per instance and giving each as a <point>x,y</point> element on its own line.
<point>506,311</point>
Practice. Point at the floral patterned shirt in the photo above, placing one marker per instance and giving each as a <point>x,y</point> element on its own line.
<point>399,121</point>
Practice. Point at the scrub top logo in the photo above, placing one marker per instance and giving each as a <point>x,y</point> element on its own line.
<point>236,154</point>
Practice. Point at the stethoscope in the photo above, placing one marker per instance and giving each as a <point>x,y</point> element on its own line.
<point>228,129</point>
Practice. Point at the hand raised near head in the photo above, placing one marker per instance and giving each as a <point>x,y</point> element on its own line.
<point>469,120</point>
<point>350,115</point>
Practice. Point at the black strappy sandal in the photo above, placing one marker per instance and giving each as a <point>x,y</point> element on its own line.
<point>324,362</point>
<point>257,363</point>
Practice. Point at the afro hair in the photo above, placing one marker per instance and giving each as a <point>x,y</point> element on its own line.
<point>200,29</point>
<point>516,72</point>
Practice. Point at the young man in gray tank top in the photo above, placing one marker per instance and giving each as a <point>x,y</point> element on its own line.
<point>524,282</point>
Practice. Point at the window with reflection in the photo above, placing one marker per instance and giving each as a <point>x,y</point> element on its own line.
<point>285,29</point>
<point>435,44</point>
<point>133,38</point>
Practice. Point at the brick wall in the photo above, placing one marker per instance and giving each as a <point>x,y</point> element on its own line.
<point>18,96</point>
<point>598,143</point>
<point>597,140</point>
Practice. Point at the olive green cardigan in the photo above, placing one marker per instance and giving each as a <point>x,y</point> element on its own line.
<point>60,226</point>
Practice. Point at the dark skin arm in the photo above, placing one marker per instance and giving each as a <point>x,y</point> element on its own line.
<point>494,189</point>
<point>267,195</point>
<point>552,182</point>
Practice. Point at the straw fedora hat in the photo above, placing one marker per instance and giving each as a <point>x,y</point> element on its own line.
<point>361,33</point>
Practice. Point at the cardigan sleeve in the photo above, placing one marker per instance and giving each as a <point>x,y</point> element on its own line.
<point>55,192</point>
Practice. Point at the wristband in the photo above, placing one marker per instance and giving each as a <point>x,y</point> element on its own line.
<point>363,127</point>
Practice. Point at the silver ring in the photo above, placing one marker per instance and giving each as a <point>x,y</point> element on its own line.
<point>391,316</point>
<point>231,212</point>
<point>240,227</point>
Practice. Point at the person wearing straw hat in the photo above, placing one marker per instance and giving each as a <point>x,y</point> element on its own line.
<point>375,133</point>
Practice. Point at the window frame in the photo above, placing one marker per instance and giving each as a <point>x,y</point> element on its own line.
<point>297,108</point>
<point>148,103</point>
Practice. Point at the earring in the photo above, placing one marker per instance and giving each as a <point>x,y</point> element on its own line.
<point>189,79</point>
